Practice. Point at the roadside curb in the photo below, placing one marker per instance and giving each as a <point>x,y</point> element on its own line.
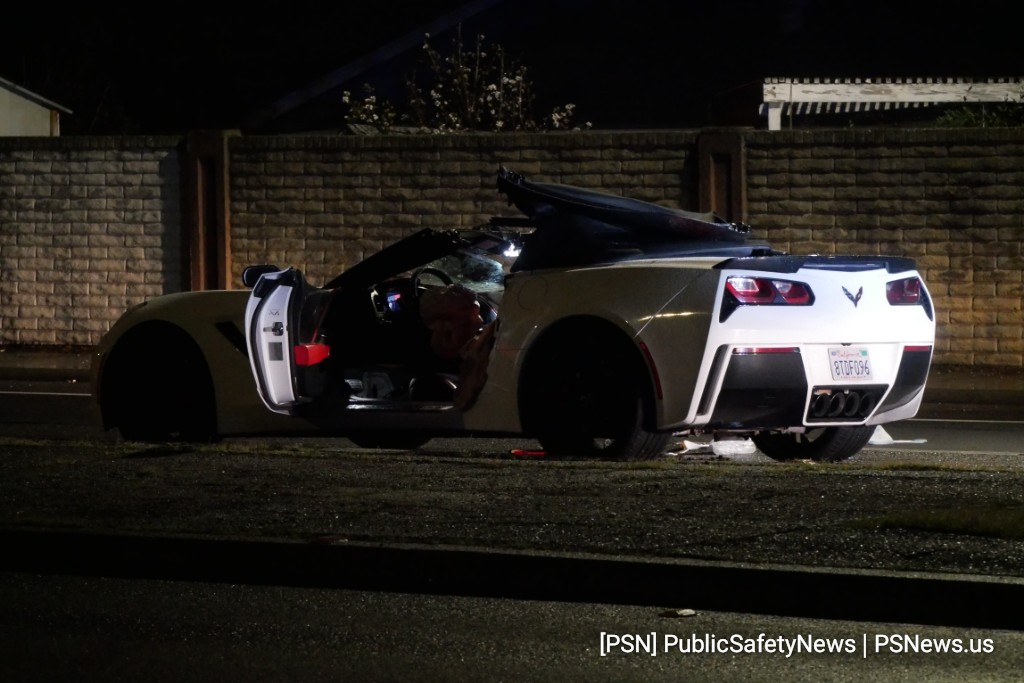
<point>38,374</point>
<point>982,396</point>
<point>45,365</point>
<point>855,595</point>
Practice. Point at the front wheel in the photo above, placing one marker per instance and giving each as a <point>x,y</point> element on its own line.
<point>827,444</point>
<point>157,387</point>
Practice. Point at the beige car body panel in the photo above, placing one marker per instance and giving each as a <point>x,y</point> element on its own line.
<point>674,332</point>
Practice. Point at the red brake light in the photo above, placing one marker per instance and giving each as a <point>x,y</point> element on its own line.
<point>762,291</point>
<point>795,293</point>
<point>906,292</point>
<point>750,290</point>
<point>311,354</point>
<point>761,350</point>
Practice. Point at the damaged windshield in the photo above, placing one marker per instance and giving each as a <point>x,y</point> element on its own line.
<point>482,265</point>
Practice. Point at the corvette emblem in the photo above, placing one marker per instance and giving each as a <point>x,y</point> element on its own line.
<point>854,298</point>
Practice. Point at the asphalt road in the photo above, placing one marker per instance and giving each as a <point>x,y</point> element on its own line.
<point>63,409</point>
<point>101,629</point>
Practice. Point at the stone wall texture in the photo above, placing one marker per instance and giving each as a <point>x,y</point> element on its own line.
<point>951,199</point>
<point>91,226</point>
<point>88,227</point>
<point>324,203</point>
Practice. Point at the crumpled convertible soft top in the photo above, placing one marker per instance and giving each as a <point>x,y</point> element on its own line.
<point>574,226</point>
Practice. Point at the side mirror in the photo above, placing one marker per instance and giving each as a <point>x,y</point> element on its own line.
<point>252,274</point>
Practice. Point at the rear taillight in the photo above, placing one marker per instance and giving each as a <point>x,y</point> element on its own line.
<point>741,290</point>
<point>793,293</point>
<point>751,290</point>
<point>761,291</point>
<point>905,292</point>
<point>908,292</point>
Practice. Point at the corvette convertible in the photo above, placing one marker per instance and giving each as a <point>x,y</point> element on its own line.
<point>598,325</point>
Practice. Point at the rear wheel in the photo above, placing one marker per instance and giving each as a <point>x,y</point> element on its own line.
<point>827,444</point>
<point>585,395</point>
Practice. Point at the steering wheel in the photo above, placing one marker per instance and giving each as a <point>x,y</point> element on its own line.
<point>414,280</point>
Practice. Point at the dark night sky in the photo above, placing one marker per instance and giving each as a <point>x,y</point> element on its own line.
<point>624,63</point>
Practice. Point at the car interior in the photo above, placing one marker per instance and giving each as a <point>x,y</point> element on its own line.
<point>406,337</point>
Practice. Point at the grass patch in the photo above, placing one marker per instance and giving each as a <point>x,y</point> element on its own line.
<point>995,521</point>
<point>927,467</point>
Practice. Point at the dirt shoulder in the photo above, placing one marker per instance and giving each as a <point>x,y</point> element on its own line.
<point>882,510</point>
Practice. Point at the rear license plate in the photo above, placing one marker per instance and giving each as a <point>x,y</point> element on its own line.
<point>849,363</point>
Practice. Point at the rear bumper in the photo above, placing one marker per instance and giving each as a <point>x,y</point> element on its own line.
<point>771,389</point>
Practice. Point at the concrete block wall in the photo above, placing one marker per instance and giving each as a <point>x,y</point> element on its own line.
<point>953,199</point>
<point>88,227</point>
<point>325,203</point>
<point>91,226</point>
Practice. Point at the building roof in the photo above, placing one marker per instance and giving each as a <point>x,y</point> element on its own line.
<point>33,97</point>
<point>800,96</point>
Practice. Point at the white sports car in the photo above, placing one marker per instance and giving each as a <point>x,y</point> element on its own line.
<point>597,324</point>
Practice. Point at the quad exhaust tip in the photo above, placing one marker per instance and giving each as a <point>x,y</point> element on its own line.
<point>842,404</point>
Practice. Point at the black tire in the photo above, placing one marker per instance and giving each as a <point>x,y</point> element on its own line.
<point>827,444</point>
<point>397,441</point>
<point>157,387</point>
<point>585,394</point>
